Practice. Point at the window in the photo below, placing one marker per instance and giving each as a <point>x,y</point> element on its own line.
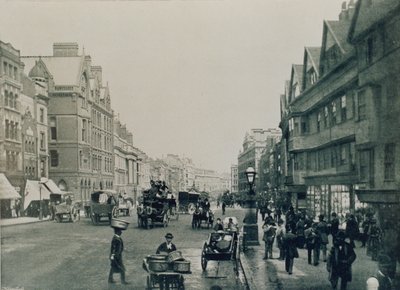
<point>5,68</point>
<point>343,110</point>
<point>84,130</point>
<point>53,128</point>
<point>41,116</point>
<point>326,116</point>
<point>319,121</point>
<point>304,125</point>
<point>333,110</point>
<point>8,129</point>
<point>364,165</point>
<point>6,98</point>
<point>389,161</point>
<point>53,158</point>
<point>42,141</point>
<point>15,73</point>
<point>362,105</point>
<point>343,154</point>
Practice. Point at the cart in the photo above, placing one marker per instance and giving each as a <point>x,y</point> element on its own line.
<point>165,280</point>
<point>187,201</point>
<point>103,205</point>
<point>221,246</point>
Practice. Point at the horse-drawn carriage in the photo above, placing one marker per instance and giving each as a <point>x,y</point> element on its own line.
<point>63,207</point>
<point>103,204</point>
<point>187,201</point>
<point>222,245</point>
<point>202,214</point>
<point>151,211</point>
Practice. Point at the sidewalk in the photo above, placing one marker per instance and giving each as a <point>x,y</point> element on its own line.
<point>271,274</point>
<point>21,220</point>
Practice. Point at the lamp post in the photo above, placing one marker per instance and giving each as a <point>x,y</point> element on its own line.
<point>42,180</point>
<point>250,226</point>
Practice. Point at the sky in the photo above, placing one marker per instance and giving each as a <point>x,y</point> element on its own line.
<point>186,77</point>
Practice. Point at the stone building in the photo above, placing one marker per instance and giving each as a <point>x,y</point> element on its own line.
<point>254,144</point>
<point>234,178</point>
<point>126,161</point>
<point>11,154</point>
<point>375,33</point>
<point>80,120</point>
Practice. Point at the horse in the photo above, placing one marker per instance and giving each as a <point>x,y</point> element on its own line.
<point>200,215</point>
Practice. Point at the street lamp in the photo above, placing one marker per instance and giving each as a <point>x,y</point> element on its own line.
<point>250,226</point>
<point>42,180</point>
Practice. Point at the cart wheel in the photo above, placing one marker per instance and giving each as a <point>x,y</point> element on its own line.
<point>57,218</point>
<point>148,283</point>
<point>203,261</point>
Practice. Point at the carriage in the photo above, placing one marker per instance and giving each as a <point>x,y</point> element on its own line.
<point>187,201</point>
<point>222,246</point>
<point>153,211</point>
<point>63,208</point>
<point>103,205</point>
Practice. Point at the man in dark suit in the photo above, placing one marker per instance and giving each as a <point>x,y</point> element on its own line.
<point>117,266</point>
<point>341,257</point>
<point>168,246</point>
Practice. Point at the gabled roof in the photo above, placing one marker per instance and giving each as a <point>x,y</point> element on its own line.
<point>313,55</point>
<point>367,15</point>
<point>297,75</point>
<point>339,30</point>
<point>65,70</point>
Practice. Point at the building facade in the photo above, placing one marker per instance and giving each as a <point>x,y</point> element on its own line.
<point>80,120</point>
<point>11,152</point>
<point>234,179</point>
<point>254,145</point>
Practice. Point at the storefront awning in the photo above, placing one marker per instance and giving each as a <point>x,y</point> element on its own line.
<point>7,191</point>
<point>35,191</point>
<point>52,187</point>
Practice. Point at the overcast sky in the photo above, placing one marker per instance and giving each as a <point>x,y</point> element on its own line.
<point>187,77</point>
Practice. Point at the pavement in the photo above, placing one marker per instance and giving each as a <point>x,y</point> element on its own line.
<point>271,274</point>
<point>21,220</point>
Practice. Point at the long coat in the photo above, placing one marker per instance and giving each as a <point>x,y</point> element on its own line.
<point>340,260</point>
<point>117,247</point>
<point>289,244</point>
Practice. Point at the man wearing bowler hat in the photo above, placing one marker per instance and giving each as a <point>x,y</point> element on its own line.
<point>117,266</point>
<point>168,246</point>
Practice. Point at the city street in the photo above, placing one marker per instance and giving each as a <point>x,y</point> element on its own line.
<point>52,256</point>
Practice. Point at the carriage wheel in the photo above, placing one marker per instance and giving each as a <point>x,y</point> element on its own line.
<point>93,218</point>
<point>203,261</point>
<point>139,221</point>
<point>148,283</point>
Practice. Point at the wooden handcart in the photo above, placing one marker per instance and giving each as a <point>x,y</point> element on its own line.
<point>164,280</point>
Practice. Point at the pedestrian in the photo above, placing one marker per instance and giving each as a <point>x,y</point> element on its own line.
<point>300,227</point>
<point>290,248</point>
<point>167,246</point>
<point>18,207</point>
<point>322,230</point>
<point>280,233</point>
<point>218,226</point>
<point>341,257</point>
<point>381,279</point>
<point>374,240</point>
<point>278,213</point>
<point>352,230</point>
<point>269,237</point>
<point>223,207</point>
<point>334,225</point>
<point>313,244</point>
<point>117,265</point>
<point>364,228</point>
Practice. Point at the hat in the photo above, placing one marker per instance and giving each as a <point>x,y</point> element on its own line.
<point>169,236</point>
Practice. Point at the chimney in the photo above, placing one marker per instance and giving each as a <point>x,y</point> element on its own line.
<point>65,49</point>
<point>343,14</point>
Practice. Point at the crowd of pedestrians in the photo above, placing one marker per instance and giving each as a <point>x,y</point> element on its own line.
<point>296,231</point>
